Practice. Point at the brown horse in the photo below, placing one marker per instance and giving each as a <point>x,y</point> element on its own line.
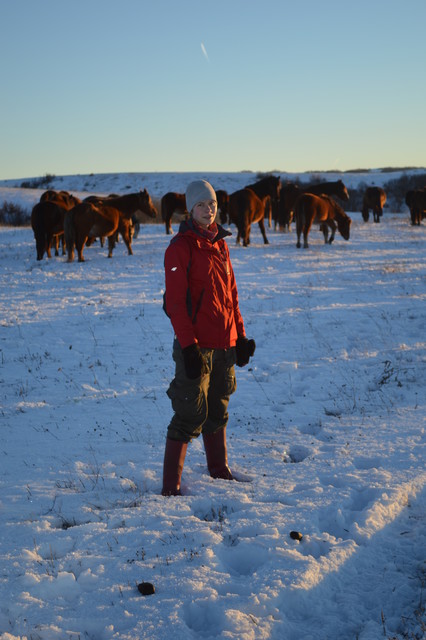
<point>268,186</point>
<point>47,221</point>
<point>291,191</point>
<point>323,210</point>
<point>416,201</point>
<point>88,220</point>
<point>246,208</point>
<point>374,199</point>
<point>97,200</point>
<point>171,203</point>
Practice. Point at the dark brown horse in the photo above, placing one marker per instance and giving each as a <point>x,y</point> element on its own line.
<point>171,203</point>
<point>104,219</point>
<point>60,197</point>
<point>323,210</point>
<point>416,201</point>
<point>246,208</point>
<point>47,221</point>
<point>284,214</point>
<point>268,186</point>
<point>291,191</point>
<point>374,199</point>
<point>336,188</point>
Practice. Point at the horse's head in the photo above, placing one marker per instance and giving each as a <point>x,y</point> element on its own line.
<point>279,185</point>
<point>341,191</point>
<point>344,225</point>
<point>146,205</point>
<point>276,187</point>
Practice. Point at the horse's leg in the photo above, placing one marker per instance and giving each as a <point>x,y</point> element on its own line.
<point>333,227</point>
<point>262,229</point>
<point>268,209</point>
<point>126,233</point>
<point>324,229</point>
<point>136,227</point>
<point>305,236</point>
<point>111,244</point>
<point>306,228</point>
<point>80,246</point>
<point>240,232</point>
<point>168,222</point>
<point>365,214</point>
<point>299,229</point>
<point>70,249</point>
<point>48,239</point>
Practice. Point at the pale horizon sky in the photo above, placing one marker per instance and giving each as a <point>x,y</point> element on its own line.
<point>99,86</point>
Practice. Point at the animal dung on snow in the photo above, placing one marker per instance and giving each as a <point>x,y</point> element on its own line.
<point>296,535</point>
<point>146,588</point>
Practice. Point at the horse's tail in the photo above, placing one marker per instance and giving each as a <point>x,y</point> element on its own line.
<point>37,223</point>
<point>268,210</point>
<point>299,213</point>
<point>163,209</point>
<point>69,231</point>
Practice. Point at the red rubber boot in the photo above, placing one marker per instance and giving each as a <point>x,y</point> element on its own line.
<point>216,454</point>
<point>174,457</point>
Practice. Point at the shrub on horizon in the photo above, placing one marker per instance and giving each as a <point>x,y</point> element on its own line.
<point>13,215</point>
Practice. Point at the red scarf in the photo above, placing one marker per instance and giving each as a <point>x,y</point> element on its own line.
<point>209,233</point>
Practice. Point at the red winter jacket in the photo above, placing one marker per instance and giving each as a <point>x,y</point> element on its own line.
<point>201,294</point>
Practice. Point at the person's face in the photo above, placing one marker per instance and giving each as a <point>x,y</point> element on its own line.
<point>205,212</point>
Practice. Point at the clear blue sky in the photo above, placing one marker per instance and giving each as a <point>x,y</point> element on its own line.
<point>211,85</point>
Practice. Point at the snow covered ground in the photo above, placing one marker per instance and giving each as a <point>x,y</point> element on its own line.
<point>328,421</point>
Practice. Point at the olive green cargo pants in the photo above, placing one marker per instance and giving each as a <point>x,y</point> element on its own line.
<point>201,405</point>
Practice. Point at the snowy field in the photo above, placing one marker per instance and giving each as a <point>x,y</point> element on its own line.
<point>328,421</point>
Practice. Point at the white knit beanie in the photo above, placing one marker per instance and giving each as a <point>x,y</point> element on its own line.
<point>198,191</point>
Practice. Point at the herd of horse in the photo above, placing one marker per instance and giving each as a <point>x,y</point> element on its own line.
<point>61,217</point>
<point>267,199</point>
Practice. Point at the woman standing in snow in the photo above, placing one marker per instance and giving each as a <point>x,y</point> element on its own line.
<point>201,301</point>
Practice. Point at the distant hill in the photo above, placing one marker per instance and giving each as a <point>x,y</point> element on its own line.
<point>396,182</point>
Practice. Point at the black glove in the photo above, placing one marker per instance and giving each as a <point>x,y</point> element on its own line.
<point>245,349</point>
<point>194,361</point>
